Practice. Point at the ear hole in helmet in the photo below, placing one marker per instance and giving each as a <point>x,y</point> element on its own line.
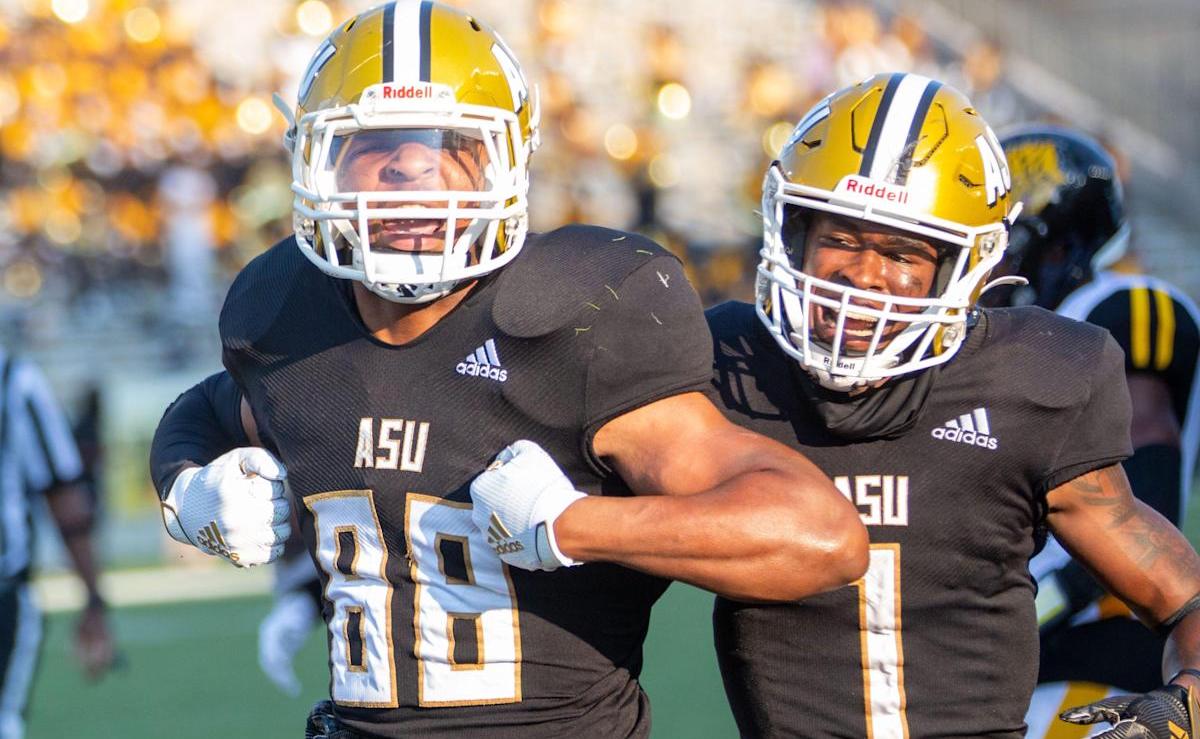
<point>794,233</point>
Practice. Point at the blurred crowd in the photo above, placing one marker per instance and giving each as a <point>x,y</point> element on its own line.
<point>140,163</point>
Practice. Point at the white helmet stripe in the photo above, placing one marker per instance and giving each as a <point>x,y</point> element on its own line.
<point>410,39</point>
<point>897,121</point>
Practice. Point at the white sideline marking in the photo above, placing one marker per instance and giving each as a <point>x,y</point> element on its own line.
<point>63,591</point>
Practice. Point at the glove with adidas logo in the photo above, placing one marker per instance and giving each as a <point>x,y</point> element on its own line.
<point>1166,713</point>
<point>233,507</point>
<point>517,500</point>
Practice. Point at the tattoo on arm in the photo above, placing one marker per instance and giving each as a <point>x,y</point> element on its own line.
<point>1146,537</point>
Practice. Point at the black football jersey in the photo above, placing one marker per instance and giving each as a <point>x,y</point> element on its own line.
<point>430,634</point>
<point>939,638</point>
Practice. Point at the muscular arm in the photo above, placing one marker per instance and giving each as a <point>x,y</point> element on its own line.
<point>1153,474</point>
<point>718,506</point>
<point>1133,551</point>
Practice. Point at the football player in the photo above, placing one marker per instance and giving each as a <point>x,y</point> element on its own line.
<point>1072,229</point>
<point>411,331</point>
<point>959,433</point>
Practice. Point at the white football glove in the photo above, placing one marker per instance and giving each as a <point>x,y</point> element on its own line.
<point>517,500</point>
<point>235,507</point>
<point>281,635</point>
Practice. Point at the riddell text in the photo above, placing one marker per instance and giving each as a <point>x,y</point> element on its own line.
<point>876,190</point>
<point>408,91</point>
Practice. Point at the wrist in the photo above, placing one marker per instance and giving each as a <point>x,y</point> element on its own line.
<point>1186,678</point>
<point>170,506</point>
<point>568,532</point>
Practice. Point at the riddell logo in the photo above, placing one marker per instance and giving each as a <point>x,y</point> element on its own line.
<point>407,92</point>
<point>872,189</point>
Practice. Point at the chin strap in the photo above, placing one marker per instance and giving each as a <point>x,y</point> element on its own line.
<point>1014,280</point>
<point>289,137</point>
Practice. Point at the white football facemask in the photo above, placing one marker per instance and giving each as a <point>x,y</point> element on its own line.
<point>471,231</point>
<point>906,334</point>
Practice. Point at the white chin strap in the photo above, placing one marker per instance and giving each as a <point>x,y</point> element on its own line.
<point>419,264</point>
<point>422,264</point>
<point>837,383</point>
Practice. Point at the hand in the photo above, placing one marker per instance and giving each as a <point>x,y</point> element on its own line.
<point>517,500</point>
<point>1166,713</point>
<point>93,641</point>
<point>281,635</point>
<point>235,507</point>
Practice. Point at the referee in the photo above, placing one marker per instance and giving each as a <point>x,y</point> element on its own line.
<point>38,457</point>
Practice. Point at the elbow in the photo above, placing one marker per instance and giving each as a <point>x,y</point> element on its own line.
<point>849,553</point>
<point>828,555</point>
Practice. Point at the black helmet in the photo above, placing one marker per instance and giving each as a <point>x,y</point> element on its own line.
<point>1073,222</point>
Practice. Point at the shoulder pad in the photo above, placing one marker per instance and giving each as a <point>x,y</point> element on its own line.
<point>260,292</point>
<point>731,320</point>
<point>1036,353</point>
<point>558,273</point>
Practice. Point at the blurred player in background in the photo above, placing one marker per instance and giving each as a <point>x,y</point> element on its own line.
<point>960,433</point>
<point>39,458</point>
<point>409,332</point>
<point>1073,229</point>
<point>295,613</point>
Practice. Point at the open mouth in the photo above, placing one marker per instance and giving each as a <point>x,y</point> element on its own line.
<point>408,234</point>
<point>857,330</point>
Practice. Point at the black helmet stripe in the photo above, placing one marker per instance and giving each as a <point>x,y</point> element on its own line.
<point>902,109</point>
<point>910,144</point>
<point>889,91</point>
<point>426,12</point>
<point>388,57</point>
<point>406,41</point>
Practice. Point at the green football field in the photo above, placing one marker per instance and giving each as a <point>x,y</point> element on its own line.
<point>191,672</point>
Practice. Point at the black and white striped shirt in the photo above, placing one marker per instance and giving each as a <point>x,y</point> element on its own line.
<point>37,453</point>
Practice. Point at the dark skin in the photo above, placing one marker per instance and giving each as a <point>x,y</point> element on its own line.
<point>717,506</point>
<point>1141,557</point>
<point>71,509</point>
<point>877,259</point>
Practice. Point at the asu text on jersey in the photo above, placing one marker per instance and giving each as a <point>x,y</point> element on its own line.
<point>939,638</point>
<point>430,634</point>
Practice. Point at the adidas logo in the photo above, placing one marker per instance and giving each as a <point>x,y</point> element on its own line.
<point>969,428</point>
<point>483,362</point>
<point>210,538</point>
<point>500,537</point>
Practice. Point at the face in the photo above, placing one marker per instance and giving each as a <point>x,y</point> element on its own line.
<point>868,257</point>
<point>410,160</point>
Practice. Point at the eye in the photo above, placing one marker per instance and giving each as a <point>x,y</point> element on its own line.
<point>837,242</point>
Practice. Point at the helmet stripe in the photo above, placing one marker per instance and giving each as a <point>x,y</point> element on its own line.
<point>885,154</point>
<point>405,41</point>
<point>426,12</point>
<point>389,43</point>
<point>914,131</point>
<point>889,91</point>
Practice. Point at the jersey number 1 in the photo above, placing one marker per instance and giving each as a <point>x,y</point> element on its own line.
<point>465,626</point>
<point>882,648</point>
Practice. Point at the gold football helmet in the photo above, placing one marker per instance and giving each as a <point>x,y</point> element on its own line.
<point>901,151</point>
<point>410,151</point>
